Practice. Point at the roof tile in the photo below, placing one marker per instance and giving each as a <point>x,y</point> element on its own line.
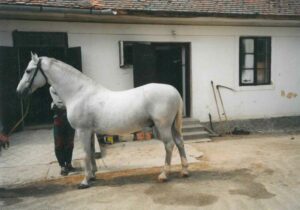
<point>201,7</point>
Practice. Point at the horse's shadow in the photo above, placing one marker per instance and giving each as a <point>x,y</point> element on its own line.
<point>243,176</point>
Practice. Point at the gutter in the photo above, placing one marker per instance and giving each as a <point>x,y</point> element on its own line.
<point>81,14</point>
<point>48,9</point>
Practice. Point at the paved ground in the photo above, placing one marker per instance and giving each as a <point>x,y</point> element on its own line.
<point>31,157</point>
<point>254,172</point>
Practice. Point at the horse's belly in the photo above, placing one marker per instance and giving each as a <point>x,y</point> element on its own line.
<point>118,129</point>
<point>122,125</point>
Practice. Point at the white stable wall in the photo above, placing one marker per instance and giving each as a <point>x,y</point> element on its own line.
<point>214,57</point>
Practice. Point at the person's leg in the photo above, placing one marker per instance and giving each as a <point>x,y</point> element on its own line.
<point>58,131</point>
<point>68,144</point>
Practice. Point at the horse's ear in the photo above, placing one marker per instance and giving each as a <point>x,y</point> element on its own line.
<point>34,57</point>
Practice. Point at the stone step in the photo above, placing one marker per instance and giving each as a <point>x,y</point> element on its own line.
<point>193,127</point>
<point>190,121</point>
<point>199,140</point>
<point>195,135</point>
<point>194,131</point>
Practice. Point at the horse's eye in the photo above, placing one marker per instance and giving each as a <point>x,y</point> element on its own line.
<point>28,71</point>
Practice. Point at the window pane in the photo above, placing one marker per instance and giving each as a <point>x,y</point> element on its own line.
<point>128,53</point>
<point>248,45</point>
<point>262,64</point>
<point>261,46</point>
<point>247,76</point>
<point>248,62</point>
<point>263,76</point>
<point>261,61</point>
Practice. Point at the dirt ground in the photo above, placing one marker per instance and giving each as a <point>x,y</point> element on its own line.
<point>245,172</point>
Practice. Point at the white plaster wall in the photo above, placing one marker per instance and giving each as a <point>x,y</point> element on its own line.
<point>214,57</point>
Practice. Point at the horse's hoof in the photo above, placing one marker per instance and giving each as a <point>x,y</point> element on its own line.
<point>83,186</point>
<point>185,174</point>
<point>162,178</point>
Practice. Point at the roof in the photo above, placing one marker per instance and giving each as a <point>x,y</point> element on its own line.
<point>286,9</point>
<point>271,13</point>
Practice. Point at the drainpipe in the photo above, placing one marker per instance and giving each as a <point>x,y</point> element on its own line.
<point>47,9</point>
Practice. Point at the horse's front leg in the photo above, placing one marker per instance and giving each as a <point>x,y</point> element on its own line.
<point>85,138</point>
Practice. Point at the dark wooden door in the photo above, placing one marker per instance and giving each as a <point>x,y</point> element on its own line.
<point>159,63</point>
<point>73,57</point>
<point>40,100</point>
<point>144,64</point>
<point>169,66</point>
<point>10,104</point>
<point>165,63</point>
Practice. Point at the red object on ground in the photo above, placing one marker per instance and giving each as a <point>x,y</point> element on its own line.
<point>148,135</point>
<point>140,136</point>
<point>4,141</point>
<point>3,138</point>
<point>143,135</point>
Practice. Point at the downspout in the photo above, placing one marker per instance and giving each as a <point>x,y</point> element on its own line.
<point>47,9</point>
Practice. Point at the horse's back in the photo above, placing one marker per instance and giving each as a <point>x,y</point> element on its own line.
<point>163,101</point>
<point>162,92</point>
<point>127,111</point>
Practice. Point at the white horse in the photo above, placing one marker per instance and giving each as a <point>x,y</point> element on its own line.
<point>91,108</point>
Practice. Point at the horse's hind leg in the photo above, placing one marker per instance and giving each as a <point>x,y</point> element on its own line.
<point>85,138</point>
<point>180,145</point>
<point>93,160</point>
<point>166,136</point>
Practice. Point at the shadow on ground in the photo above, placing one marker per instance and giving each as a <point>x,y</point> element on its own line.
<point>178,191</point>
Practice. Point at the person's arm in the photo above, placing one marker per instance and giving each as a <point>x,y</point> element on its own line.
<point>56,99</point>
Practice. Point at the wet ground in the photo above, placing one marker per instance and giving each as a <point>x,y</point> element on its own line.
<point>254,172</point>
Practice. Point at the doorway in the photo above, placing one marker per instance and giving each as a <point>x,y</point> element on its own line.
<point>40,101</point>
<point>167,63</point>
<point>13,62</point>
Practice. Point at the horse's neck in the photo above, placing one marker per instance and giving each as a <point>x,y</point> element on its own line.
<point>67,82</point>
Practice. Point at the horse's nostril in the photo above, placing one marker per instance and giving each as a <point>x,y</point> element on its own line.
<point>23,93</point>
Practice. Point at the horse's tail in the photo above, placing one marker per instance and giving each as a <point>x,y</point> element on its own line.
<point>178,119</point>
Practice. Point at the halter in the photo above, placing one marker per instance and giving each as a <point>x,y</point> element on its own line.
<point>38,68</point>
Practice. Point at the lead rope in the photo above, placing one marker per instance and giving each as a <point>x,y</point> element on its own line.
<point>22,118</point>
<point>38,68</point>
<point>6,144</point>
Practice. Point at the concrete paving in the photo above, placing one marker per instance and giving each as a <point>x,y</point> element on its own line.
<point>31,157</point>
<point>235,172</point>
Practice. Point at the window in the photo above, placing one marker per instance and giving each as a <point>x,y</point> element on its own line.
<point>255,61</point>
<point>126,54</point>
<point>126,49</point>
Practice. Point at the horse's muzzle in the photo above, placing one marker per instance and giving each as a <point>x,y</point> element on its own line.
<point>23,93</point>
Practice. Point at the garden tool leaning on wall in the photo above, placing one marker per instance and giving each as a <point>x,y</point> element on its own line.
<point>222,105</point>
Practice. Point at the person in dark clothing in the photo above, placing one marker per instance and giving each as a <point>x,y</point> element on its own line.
<point>63,134</point>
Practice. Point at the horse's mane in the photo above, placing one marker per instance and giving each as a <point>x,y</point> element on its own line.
<point>69,69</point>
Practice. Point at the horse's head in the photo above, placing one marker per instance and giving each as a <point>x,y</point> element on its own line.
<point>33,77</point>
